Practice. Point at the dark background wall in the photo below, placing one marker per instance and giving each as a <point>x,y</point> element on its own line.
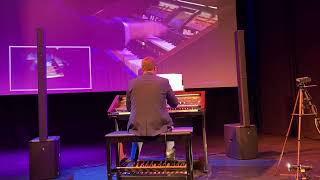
<point>287,46</point>
<point>282,43</point>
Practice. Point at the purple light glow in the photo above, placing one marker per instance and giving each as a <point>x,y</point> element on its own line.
<point>199,43</point>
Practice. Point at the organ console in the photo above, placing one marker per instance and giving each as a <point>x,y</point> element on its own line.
<point>187,21</point>
<point>191,104</point>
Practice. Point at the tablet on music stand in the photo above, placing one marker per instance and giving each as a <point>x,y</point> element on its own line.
<point>175,81</point>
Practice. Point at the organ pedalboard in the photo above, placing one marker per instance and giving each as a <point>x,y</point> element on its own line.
<point>150,169</point>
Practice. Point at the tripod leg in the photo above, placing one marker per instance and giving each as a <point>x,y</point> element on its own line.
<point>299,131</point>
<point>289,128</point>
<point>313,110</point>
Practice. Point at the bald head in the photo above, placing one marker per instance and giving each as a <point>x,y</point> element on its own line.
<point>148,64</point>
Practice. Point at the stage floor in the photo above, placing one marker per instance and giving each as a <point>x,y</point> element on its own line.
<point>87,162</point>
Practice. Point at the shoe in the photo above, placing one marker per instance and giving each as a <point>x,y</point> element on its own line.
<point>171,155</point>
<point>127,163</point>
<point>131,163</point>
<point>124,161</point>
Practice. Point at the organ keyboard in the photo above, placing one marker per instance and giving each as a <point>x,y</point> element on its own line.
<point>191,104</point>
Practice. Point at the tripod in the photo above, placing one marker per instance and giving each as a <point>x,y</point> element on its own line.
<point>304,99</point>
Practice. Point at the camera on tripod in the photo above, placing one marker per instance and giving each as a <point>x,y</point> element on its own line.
<point>303,81</point>
<point>305,107</point>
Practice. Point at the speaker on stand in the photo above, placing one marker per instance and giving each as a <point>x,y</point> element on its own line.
<point>241,140</point>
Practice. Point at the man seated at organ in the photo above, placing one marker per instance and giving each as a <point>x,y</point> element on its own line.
<point>147,99</point>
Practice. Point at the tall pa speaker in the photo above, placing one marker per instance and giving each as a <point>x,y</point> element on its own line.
<point>241,141</point>
<point>44,151</point>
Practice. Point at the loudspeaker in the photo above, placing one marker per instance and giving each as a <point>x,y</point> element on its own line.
<point>242,78</point>
<point>241,142</point>
<point>44,158</point>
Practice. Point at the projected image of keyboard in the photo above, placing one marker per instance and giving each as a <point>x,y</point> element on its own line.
<point>68,68</point>
<point>186,22</point>
<point>167,46</point>
<point>55,65</point>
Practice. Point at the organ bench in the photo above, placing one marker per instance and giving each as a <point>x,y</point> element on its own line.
<point>182,169</point>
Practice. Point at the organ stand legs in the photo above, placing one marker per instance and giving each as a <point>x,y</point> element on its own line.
<point>108,151</point>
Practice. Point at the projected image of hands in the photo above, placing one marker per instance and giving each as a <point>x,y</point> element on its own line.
<point>54,64</point>
<point>98,45</point>
<point>68,68</point>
